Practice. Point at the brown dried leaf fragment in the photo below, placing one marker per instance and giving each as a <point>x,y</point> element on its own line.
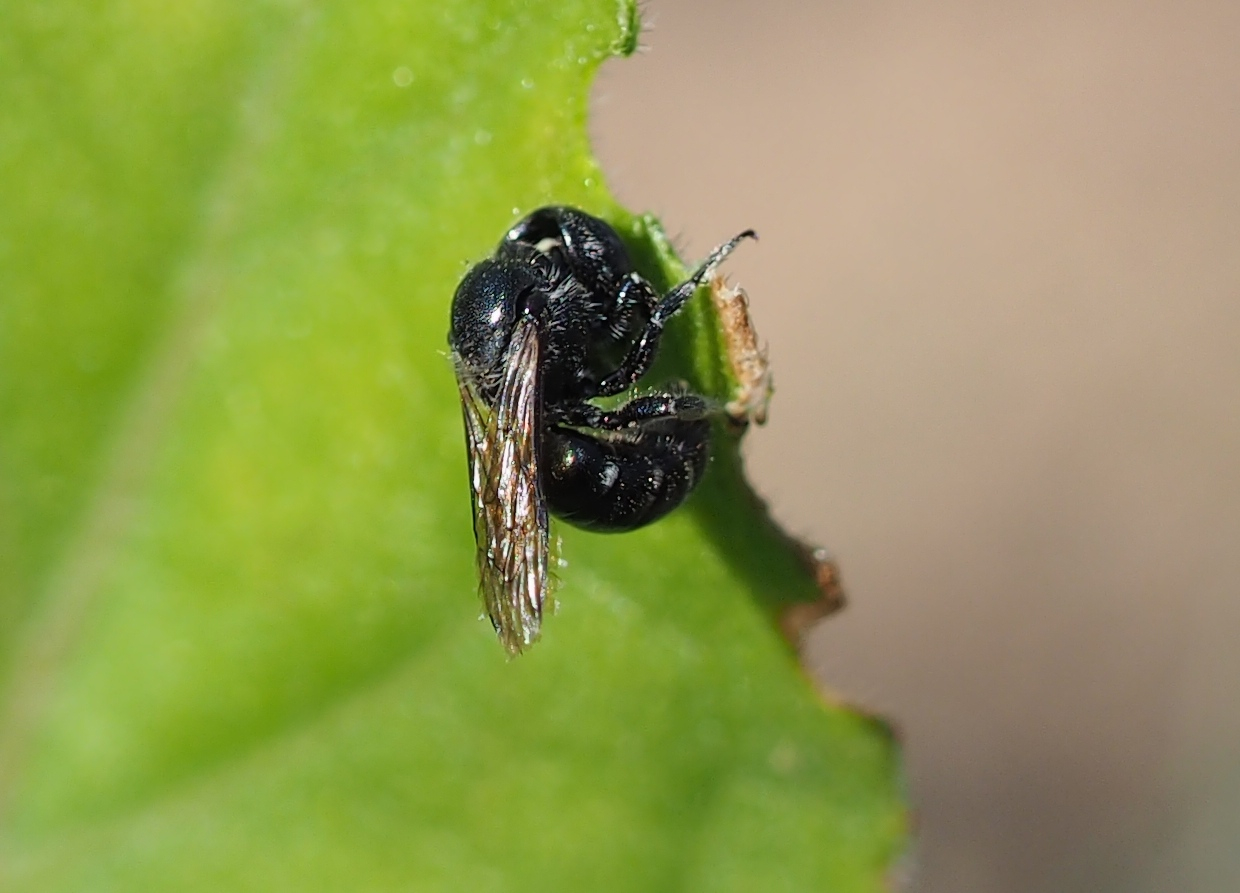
<point>750,366</point>
<point>797,620</point>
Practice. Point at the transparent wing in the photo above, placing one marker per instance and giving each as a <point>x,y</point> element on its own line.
<point>510,516</point>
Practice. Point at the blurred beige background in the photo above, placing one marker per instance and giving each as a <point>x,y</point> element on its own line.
<point>1000,278</point>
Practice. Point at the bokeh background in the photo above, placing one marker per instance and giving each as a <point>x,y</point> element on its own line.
<point>1000,280</point>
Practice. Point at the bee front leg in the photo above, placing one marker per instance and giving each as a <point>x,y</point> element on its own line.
<point>641,355</point>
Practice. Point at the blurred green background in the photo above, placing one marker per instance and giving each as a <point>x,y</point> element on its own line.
<point>239,637</point>
<point>999,279</point>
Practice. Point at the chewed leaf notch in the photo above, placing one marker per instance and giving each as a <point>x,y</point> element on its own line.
<point>241,648</point>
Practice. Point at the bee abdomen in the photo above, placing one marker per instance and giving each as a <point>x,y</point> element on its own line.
<point>617,485</point>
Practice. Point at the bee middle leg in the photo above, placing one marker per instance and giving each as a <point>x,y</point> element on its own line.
<point>638,412</point>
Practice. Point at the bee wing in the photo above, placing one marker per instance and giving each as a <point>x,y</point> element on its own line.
<point>510,515</point>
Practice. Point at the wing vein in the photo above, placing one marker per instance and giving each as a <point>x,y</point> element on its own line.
<point>510,513</point>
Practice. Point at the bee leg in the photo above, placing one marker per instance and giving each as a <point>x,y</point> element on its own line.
<point>636,413</point>
<point>641,355</point>
<point>636,302</point>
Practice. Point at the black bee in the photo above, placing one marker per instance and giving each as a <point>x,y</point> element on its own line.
<point>556,318</point>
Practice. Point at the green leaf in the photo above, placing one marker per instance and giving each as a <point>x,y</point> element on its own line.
<point>238,624</point>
